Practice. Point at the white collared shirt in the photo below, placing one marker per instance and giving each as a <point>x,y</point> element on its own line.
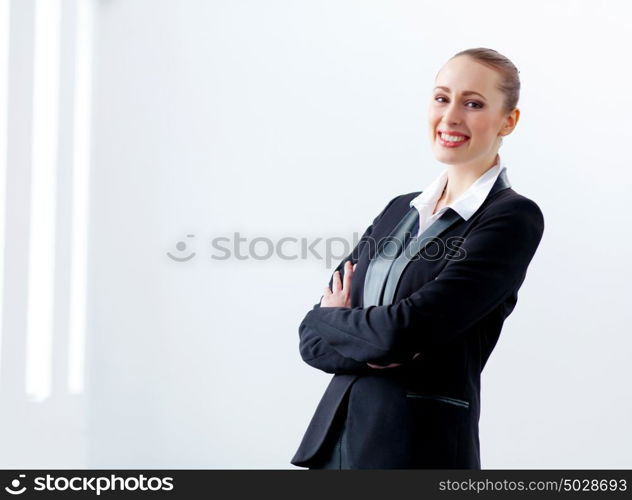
<point>465,205</point>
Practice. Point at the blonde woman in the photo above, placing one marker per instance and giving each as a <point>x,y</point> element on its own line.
<point>411,316</point>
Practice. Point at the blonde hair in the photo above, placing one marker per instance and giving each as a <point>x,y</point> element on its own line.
<point>510,79</point>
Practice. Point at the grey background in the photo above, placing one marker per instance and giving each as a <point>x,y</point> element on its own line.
<point>303,119</point>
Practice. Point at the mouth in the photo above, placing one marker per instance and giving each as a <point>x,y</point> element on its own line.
<point>452,140</point>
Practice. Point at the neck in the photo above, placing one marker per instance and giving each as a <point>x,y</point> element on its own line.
<point>462,176</point>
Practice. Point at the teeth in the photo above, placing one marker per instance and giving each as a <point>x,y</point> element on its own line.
<point>453,138</point>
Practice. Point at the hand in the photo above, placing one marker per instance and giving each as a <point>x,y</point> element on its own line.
<point>391,365</point>
<point>381,367</point>
<point>340,296</point>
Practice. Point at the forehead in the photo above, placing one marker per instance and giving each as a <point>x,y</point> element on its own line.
<point>463,73</point>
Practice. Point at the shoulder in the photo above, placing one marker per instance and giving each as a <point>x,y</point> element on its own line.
<point>513,202</point>
<point>399,201</point>
<point>402,199</point>
<point>396,207</point>
<point>513,210</point>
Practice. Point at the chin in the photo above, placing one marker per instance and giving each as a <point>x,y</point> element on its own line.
<point>448,157</point>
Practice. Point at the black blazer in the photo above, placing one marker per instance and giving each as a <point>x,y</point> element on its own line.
<point>446,296</point>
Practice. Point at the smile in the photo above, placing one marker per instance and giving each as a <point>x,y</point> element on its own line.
<point>452,141</point>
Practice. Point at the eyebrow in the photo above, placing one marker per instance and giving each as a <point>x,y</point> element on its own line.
<point>465,92</point>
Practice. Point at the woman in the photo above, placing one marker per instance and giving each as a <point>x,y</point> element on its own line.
<point>411,316</point>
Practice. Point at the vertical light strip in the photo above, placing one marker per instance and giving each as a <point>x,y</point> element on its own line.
<point>43,185</point>
<point>80,194</point>
<point>5,12</point>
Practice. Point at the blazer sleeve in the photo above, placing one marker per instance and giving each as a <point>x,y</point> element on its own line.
<point>497,253</point>
<point>316,351</point>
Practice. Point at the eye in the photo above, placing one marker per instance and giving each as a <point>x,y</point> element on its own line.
<point>478,104</point>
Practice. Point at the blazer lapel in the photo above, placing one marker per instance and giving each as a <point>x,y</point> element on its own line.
<point>449,218</point>
<point>386,252</point>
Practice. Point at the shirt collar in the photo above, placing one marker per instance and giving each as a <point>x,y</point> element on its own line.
<point>469,201</point>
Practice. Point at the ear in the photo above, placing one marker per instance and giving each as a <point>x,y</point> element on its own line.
<point>510,122</point>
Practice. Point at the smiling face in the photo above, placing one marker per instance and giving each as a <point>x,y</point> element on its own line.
<point>467,102</point>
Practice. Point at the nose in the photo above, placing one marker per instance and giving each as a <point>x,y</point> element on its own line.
<point>452,114</point>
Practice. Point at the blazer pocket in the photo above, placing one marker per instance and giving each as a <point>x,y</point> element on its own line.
<point>444,399</point>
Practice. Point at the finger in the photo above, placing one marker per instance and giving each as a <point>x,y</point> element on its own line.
<point>354,266</point>
<point>336,285</point>
<point>375,366</point>
<point>327,291</point>
<point>381,367</point>
<point>348,276</point>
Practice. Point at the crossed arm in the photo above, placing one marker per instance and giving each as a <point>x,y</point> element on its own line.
<point>317,352</point>
<point>497,253</point>
<point>314,350</point>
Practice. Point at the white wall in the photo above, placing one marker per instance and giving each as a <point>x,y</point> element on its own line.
<point>214,117</point>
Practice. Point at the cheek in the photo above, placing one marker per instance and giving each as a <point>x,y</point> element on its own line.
<point>484,126</point>
<point>433,122</point>
<point>482,130</point>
